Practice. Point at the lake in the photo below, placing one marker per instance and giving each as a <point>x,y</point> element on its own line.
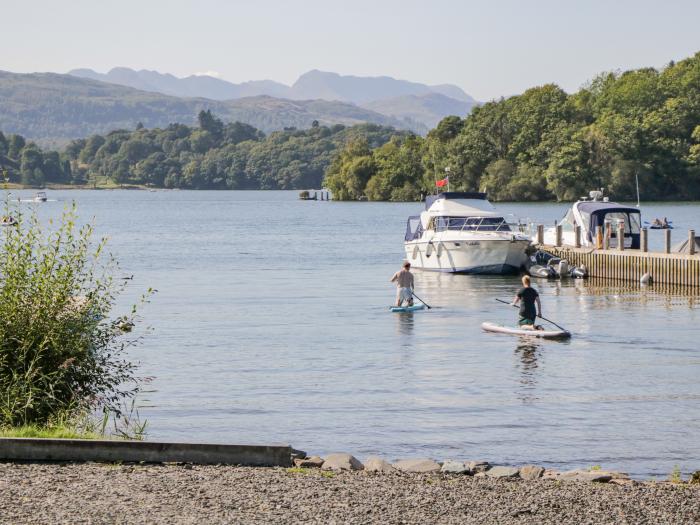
<point>271,325</point>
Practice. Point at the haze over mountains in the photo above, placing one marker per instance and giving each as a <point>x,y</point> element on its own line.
<point>420,105</point>
<point>54,108</point>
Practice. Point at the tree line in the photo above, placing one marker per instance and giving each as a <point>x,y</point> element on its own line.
<point>546,144</point>
<point>212,155</point>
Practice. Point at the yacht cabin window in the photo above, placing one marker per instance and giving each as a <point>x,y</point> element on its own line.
<point>480,224</point>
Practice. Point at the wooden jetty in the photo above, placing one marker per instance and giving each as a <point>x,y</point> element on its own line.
<point>624,264</point>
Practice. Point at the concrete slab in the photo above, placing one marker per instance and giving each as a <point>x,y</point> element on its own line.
<point>35,449</point>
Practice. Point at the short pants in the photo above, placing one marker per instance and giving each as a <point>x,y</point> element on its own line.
<point>404,294</point>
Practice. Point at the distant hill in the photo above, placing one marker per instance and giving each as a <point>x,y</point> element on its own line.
<point>313,85</point>
<point>429,109</point>
<point>53,108</point>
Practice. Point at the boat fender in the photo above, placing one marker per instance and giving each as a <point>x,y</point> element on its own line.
<point>429,249</point>
<point>646,278</point>
<point>439,249</point>
<point>415,252</point>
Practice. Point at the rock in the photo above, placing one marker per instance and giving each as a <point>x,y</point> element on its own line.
<point>597,476</point>
<point>502,472</point>
<point>623,482</point>
<point>376,464</point>
<point>531,472</point>
<point>421,466</point>
<point>478,466</point>
<point>481,474</point>
<point>312,462</point>
<point>298,454</point>
<point>341,462</point>
<point>550,474</point>
<point>454,467</point>
<point>695,478</point>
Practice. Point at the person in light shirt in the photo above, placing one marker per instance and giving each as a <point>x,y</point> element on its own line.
<point>404,285</point>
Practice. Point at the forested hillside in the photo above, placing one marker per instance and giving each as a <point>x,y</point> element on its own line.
<point>547,144</point>
<point>213,155</point>
<point>53,109</point>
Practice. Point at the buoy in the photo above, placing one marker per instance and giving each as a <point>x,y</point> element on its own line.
<point>646,279</point>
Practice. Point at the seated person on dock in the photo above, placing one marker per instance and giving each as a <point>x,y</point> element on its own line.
<point>404,283</point>
<point>528,297</point>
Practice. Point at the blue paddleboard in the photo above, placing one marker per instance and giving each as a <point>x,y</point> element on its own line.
<point>413,308</point>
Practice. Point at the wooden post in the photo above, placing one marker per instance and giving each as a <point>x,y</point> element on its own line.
<point>644,240</point>
<point>540,234</point>
<point>621,237</point>
<point>558,241</point>
<point>667,241</point>
<point>606,236</point>
<point>598,238</point>
<point>691,242</point>
<point>577,236</point>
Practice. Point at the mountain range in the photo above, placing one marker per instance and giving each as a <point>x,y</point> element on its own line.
<point>421,105</point>
<point>54,108</point>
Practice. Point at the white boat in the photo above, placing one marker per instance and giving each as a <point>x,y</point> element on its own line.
<point>461,232</point>
<point>589,213</point>
<point>40,196</point>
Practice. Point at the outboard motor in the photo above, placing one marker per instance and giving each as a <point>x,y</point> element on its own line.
<point>563,268</point>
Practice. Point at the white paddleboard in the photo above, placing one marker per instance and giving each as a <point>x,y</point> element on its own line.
<point>407,308</point>
<point>546,334</point>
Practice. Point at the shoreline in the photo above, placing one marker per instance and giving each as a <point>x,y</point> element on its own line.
<point>107,493</point>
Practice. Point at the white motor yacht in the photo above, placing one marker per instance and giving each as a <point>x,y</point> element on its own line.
<point>461,232</point>
<point>40,196</point>
<point>589,213</point>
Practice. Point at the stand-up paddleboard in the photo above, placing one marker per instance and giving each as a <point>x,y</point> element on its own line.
<point>546,334</point>
<point>413,308</point>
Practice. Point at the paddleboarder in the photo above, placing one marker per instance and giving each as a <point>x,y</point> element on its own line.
<point>528,297</point>
<point>404,285</point>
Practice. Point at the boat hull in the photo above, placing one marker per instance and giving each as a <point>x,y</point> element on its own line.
<point>483,256</point>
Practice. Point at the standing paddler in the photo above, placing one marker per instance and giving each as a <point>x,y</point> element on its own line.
<point>404,285</point>
<point>528,297</point>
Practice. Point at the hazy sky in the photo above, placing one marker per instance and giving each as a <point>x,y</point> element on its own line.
<point>488,47</point>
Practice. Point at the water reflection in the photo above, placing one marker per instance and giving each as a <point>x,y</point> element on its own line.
<point>405,323</point>
<point>528,352</point>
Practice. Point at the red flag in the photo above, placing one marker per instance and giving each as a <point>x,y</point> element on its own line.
<point>441,183</point>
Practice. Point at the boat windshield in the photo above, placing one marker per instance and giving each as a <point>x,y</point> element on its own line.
<point>480,224</point>
<point>568,222</point>
<point>632,221</point>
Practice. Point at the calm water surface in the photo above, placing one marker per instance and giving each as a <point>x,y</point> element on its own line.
<point>271,325</point>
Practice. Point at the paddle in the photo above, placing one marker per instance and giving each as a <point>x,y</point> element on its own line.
<point>543,318</point>
<point>421,300</point>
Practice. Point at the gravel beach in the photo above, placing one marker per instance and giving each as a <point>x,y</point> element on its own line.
<point>105,493</point>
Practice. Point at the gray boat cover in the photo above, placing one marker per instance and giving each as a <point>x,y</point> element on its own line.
<point>684,247</point>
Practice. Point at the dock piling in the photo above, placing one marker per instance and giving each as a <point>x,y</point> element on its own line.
<point>667,241</point>
<point>540,234</point>
<point>558,240</point>
<point>621,237</point>
<point>644,240</point>
<point>598,238</point>
<point>577,236</point>
<point>606,236</point>
<point>691,242</point>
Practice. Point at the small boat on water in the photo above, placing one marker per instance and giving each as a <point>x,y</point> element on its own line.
<point>589,213</point>
<point>461,232</point>
<point>544,334</point>
<point>40,196</point>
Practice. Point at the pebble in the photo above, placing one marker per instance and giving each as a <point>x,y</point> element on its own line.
<point>101,493</point>
<point>479,466</point>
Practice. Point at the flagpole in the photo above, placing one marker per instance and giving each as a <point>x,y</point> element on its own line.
<point>447,176</point>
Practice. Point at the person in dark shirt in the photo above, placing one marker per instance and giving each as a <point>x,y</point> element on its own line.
<point>528,298</point>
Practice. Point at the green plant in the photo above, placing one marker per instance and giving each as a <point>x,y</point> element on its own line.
<point>595,467</point>
<point>298,470</point>
<point>675,475</point>
<point>327,474</point>
<point>61,355</point>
